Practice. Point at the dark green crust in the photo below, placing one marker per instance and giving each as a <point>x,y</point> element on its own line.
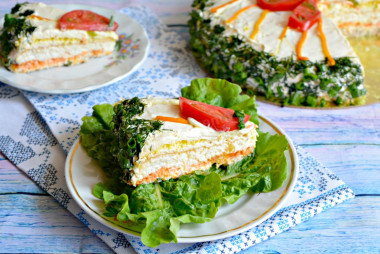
<point>15,26</point>
<point>115,137</point>
<point>259,72</point>
<point>130,133</point>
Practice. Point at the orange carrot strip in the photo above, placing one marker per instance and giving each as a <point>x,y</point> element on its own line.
<point>172,119</point>
<point>38,17</point>
<point>283,33</point>
<point>215,9</point>
<point>300,45</point>
<point>324,42</point>
<point>257,24</point>
<point>236,14</point>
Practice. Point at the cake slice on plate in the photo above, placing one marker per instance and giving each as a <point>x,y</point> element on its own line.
<point>36,36</point>
<point>159,139</point>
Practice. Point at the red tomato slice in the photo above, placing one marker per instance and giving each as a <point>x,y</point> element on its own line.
<point>86,20</point>
<point>218,118</point>
<point>304,16</point>
<point>278,5</point>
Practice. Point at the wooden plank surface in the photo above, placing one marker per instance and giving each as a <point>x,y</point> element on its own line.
<point>346,140</point>
<point>351,227</point>
<point>36,222</point>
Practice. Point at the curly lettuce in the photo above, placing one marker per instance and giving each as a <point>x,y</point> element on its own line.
<point>220,92</point>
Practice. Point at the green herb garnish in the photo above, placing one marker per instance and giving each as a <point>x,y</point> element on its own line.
<point>15,26</point>
<point>17,7</point>
<point>118,45</point>
<point>355,2</point>
<point>130,133</point>
<point>240,115</point>
<point>69,63</point>
<point>111,22</point>
<point>91,33</point>
<point>26,13</point>
<point>117,129</point>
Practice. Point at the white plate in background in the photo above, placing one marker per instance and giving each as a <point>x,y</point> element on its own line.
<point>97,72</point>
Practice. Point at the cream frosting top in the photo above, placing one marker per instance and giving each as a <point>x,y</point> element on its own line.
<point>45,19</point>
<point>268,36</point>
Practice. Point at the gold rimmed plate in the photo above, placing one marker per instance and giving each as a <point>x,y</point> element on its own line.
<point>82,173</point>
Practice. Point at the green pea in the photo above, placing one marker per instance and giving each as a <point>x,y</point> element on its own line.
<point>311,100</point>
<point>300,85</point>
<point>339,101</point>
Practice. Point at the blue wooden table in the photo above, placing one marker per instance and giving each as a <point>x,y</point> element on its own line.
<point>345,140</point>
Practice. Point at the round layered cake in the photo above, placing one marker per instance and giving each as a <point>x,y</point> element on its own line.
<point>263,51</point>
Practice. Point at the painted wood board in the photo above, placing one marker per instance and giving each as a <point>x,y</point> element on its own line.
<point>357,165</point>
<point>37,223</point>
<point>358,125</point>
<point>41,225</point>
<point>351,227</point>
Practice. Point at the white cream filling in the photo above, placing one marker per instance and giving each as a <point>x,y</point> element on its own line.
<point>41,54</point>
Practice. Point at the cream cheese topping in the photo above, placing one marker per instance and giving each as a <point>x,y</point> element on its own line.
<point>43,10</point>
<point>271,28</point>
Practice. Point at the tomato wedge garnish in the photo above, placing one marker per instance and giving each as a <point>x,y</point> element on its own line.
<point>86,20</point>
<point>304,16</point>
<point>218,118</point>
<point>278,5</point>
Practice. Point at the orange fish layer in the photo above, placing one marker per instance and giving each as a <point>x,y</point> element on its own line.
<point>165,173</point>
<point>35,65</point>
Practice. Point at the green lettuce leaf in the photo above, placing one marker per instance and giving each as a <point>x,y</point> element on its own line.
<point>96,137</point>
<point>220,92</point>
<point>104,113</point>
<point>270,156</point>
<point>157,229</point>
<point>264,172</point>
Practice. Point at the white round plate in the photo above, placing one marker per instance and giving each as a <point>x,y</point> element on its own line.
<point>97,72</point>
<point>82,173</point>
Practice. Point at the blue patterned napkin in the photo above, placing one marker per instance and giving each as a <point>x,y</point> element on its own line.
<point>36,134</point>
